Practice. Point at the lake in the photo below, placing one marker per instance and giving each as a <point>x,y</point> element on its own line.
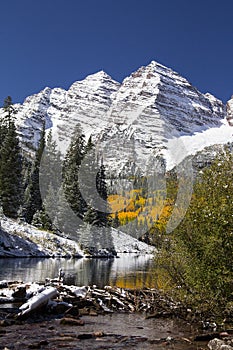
<point>127,271</point>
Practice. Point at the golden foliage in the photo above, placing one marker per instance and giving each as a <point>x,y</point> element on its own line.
<point>133,203</point>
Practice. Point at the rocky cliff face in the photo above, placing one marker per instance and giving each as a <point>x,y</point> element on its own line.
<point>85,103</point>
<point>130,122</point>
<point>230,111</point>
<point>150,107</point>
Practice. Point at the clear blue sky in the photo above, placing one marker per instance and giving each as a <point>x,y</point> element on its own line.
<point>56,42</point>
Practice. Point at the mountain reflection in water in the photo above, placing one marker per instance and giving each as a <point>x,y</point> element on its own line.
<point>128,271</point>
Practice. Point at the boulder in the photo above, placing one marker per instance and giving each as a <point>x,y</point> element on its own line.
<point>20,293</point>
<point>217,344</point>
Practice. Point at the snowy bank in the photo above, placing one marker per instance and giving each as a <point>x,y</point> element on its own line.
<point>24,240</point>
<point>124,243</point>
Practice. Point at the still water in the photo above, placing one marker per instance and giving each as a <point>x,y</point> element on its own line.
<point>127,271</point>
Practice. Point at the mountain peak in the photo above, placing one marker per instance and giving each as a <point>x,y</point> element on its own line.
<point>95,82</point>
<point>131,121</point>
<point>100,75</point>
<point>157,64</point>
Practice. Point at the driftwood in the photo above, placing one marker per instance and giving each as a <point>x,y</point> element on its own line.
<point>90,300</point>
<point>38,301</point>
<point>6,300</point>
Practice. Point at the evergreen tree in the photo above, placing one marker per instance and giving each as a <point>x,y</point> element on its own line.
<point>93,186</point>
<point>96,231</point>
<point>116,221</point>
<point>95,237</point>
<point>65,219</point>
<point>42,220</point>
<point>84,183</point>
<point>71,168</point>
<point>50,202</point>
<point>32,197</point>
<point>90,145</point>
<point>10,163</point>
<point>101,185</point>
<point>87,176</point>
<point>50,167</point>
<point>50,178</point>
<point>4,122</point>
<point>8,109</point>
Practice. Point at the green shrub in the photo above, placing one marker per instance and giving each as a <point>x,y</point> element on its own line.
<point>197,257</point>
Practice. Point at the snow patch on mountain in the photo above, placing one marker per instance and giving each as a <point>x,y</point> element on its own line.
<point>179,148</point>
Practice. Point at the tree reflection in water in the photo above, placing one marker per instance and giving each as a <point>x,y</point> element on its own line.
<point>128,271</point>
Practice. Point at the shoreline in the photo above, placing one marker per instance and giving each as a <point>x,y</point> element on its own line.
<point>45,315</point>
<point>86,316</point>
<point>23,240</point>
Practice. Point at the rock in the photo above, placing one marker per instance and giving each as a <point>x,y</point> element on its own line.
<point>64,339</point>
<point>169,338</point>
<point>98,334</point>
<point>217,344</point>
<point>230,111</point>
<point>73,311</point>
<point>5,323</point>
<point>20,292</point>
<point>60,308</point>
<point>93,313</point>
<point>84,303</point>
<point>3,284</point>
<point>71,321</point>
<point>84,311</point>
<point>85,336</point>
<point>224,334</point>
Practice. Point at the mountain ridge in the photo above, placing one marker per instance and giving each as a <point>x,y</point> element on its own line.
<point>130,121</point>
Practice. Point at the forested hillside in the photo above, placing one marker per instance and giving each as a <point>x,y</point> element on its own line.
<point>44,190</point>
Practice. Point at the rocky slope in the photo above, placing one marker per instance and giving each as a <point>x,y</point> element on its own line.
<point>131,122</point>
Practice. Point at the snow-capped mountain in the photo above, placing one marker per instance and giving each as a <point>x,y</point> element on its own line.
<point>132,122</point>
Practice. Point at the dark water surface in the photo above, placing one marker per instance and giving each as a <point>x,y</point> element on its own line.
<point>127,271</point>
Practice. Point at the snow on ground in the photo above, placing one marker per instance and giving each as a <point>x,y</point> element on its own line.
<point>24,240</point>
<point>183,146</point>
<point>21,239</point>
<point>124,243</point>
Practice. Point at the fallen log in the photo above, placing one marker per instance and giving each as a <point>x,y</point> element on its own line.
<point>38,300</point>
<point>6,300</point>
<point>207,336</point>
